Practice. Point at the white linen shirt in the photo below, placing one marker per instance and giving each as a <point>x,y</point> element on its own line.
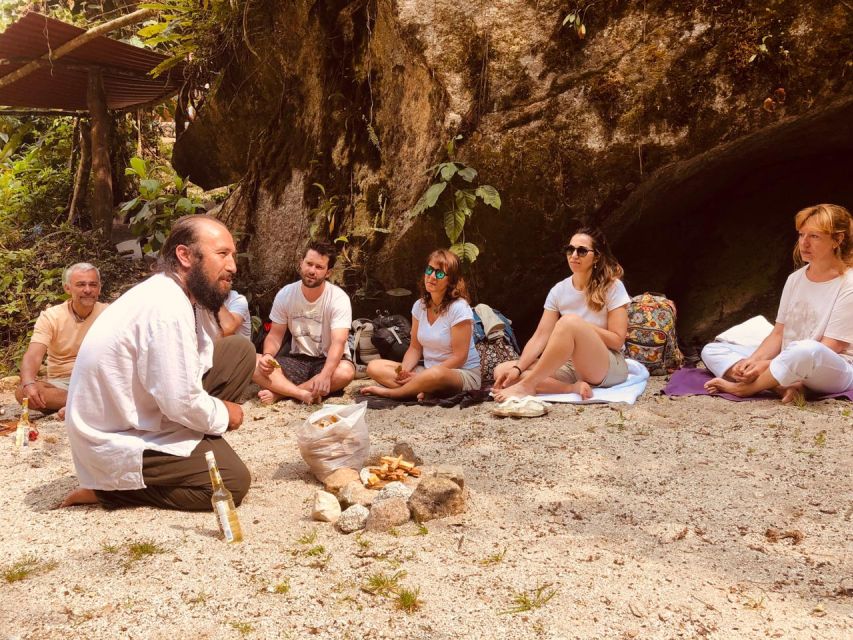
<point>136,385</point>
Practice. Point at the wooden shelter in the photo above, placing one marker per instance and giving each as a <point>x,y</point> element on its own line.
<point>49,67</point>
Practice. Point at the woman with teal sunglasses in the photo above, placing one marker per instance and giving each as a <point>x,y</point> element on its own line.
<point>442,334</point>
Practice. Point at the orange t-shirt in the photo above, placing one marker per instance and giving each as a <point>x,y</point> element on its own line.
<point>58,330</point>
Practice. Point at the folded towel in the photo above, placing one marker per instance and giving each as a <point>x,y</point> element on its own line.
<point>628,391</point>
<point>747,334</point>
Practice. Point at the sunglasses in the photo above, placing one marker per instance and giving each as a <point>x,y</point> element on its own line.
<point>439,274</point>
<point>581,251</point>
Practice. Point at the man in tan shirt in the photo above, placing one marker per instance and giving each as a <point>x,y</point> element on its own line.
<point>58,333</point>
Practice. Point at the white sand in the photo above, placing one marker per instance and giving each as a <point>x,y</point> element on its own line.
<point>648,523</point>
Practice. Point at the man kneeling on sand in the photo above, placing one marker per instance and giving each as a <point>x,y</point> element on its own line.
<point>318,315</point>
<point>153,391</point>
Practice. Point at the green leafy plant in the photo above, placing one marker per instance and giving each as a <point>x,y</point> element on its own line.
<point>382,584</point>
<point>407,600</point>
<point>453,190</point>
<point>764,51</point>
<point>25,567</point>
<point>160,202</point>
<point>537,598</point>
<point>326,216</point>
<point>575,19</point>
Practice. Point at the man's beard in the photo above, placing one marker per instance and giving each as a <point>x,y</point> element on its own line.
<point>206,293</point>
<point>312,283</point>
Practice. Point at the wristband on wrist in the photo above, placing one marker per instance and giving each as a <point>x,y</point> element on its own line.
<point>515,366</point>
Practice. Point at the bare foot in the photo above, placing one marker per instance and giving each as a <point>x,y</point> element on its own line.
<point>267,397</point>
<point>61,413</point>
<point>375,390</point>
<point>720,385</point>
<point>793,394</point>
<point>79,496</point>
<point>518,390</point>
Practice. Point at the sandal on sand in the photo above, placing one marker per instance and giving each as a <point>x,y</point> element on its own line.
<point>526,407</point>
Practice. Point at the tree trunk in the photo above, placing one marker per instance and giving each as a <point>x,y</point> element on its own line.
<point>84,168</point>
<point>102,200</point>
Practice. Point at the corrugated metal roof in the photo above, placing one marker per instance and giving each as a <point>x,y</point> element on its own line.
<point>63,85</point>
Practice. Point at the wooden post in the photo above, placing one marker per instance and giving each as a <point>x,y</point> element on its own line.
<point>84,168</point>
<point>102,199</point>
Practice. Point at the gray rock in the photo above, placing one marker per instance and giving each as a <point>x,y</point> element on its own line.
<point>326,507</point>
<point>386,514</point>
<point>393,490</point>
<point>353,518</point>
<point>405,449</point>
<point>339,478</point>
<point>356,493</point>
<point>436,498</point>
<point>451,472</point>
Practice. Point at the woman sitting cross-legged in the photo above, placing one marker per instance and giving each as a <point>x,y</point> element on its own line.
<point>442,332</point>
<point>578,343</point>
<point>811,345</point>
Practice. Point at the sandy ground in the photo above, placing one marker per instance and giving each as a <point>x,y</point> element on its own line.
<point>648,521</point>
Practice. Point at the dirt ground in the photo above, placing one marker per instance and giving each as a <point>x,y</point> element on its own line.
<point>674,518</point>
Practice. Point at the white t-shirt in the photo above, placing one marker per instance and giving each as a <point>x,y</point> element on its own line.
<point>311,323</point>
<point>137,385</point>
<point>565,299</point>
<point>813,310</point>
<point>237,303</point>
<point>435,337</point>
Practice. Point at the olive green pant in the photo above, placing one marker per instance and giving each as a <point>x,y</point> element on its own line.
<point>183,483</point>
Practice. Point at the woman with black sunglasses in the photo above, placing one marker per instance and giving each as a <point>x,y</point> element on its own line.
<point>578,343</point>
<point>442,334</point>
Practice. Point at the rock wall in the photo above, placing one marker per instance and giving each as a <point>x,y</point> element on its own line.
<point>667,124</point>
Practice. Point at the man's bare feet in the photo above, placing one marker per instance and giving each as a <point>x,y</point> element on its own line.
<point>518,390</point>
<point>375,390</point>
<point>268,397</point>
<point>79,496</point>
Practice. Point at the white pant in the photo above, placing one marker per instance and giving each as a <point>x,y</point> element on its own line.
<point>808,361</point>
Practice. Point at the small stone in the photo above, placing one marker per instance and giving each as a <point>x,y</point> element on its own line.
<point>405,449</point>
<point>326,507</point>
<point>339,478</point>
<point>393,490</point>
<point>451,472</point>
<point>356,493</point>
<point>637,609</point>
<point>353,518</point>
<point>363,475</point>
<point>436,498</point>
<point>386,514</point>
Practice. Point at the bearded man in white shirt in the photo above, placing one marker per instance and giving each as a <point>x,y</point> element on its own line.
<point>155,387</point>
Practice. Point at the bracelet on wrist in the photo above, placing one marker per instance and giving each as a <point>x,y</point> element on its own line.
<point>515,366</point>
<point>24,385</point>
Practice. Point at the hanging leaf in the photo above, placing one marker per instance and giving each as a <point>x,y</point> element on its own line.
<point>489,195</point>
<point>130,204</point>
<point>139,167</point>
<point>467,200</point>
<point>468,174</point>
<point>447,170</point>
<point>568,19</point>
<point>149,188</point>
<point>429,198</point>
<point>466,251</point>
<point>454,222</point>
<point>185,205</point>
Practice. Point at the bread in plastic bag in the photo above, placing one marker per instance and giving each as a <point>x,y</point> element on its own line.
<point>334,437</point>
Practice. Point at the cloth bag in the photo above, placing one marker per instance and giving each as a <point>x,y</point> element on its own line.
<point>343,443</point>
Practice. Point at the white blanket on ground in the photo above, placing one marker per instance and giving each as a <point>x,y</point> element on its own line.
<point>627,392</point>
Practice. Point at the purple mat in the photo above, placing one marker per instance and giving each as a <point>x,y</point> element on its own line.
<point>691,382</point>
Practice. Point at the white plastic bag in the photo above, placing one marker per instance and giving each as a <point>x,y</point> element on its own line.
<point>342,443</point>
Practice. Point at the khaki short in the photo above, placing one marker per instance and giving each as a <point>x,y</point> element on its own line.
<point>471,378</point>
<point>617,372</point>
<point>59,383</point>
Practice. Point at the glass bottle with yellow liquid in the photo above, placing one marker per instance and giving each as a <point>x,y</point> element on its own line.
<point>223,503</point>
<point>22,433</point>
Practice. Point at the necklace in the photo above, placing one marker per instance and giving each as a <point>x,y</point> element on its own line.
<point>77,317</point>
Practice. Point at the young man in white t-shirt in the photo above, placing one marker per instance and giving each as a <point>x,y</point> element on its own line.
<point>318,315</point>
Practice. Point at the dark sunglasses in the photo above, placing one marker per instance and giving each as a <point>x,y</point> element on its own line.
<point>439,274</point>
<point>581,251</point>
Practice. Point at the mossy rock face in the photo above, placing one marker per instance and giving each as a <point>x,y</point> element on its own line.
<point>659,125</point>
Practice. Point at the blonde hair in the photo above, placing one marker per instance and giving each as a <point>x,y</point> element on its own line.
<point>832,219</point>
<point>605,270</point>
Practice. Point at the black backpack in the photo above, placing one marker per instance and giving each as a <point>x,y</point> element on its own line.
<point>392,335</point>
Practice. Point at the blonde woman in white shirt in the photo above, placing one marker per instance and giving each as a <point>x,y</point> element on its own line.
<point>578,343</point>
<point>811,345</point>
<point>442,334</point>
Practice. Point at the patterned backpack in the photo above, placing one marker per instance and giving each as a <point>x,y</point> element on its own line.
<point>652,340</point>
